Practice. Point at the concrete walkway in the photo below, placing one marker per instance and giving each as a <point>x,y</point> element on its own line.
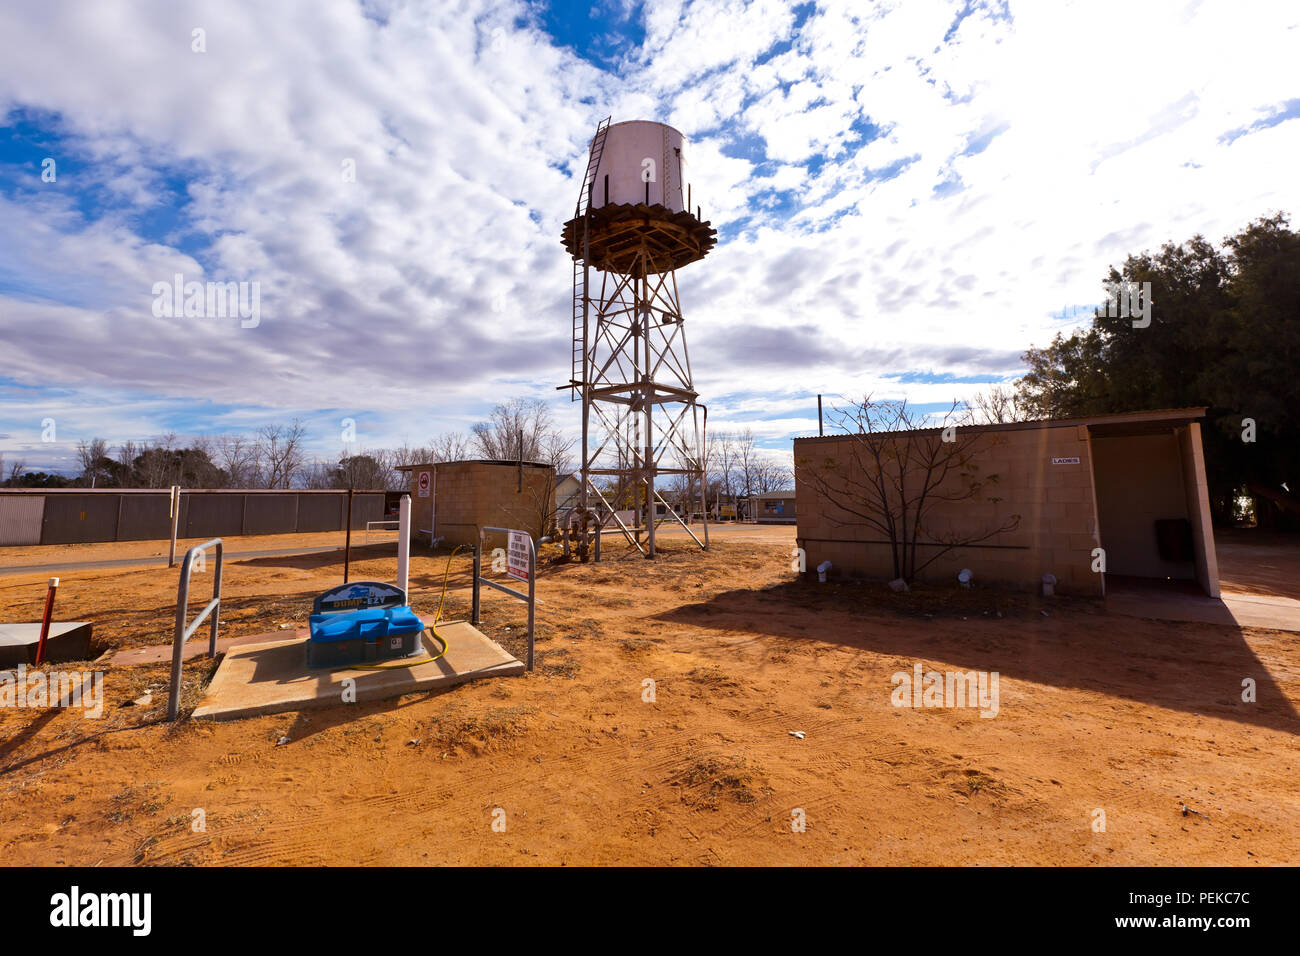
<point>195,647</point>
<point>1233,609</point>
<point>63,567</point>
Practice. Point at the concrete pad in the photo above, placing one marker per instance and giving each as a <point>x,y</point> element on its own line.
<point>67,641</point>
<point>197,647</point>
<point>270,678</point>
<point>1232,610</point>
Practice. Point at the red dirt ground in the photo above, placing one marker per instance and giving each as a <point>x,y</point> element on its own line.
<point>1097,712</point>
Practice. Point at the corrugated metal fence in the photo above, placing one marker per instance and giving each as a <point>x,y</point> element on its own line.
<point>79,515</point>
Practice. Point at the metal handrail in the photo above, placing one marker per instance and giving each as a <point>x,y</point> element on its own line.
<point>183,631</point>
<point>369,524</point>
<point>530,598</point>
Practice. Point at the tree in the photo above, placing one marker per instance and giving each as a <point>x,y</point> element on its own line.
<point>997,405</point>
<point>90,456</point>
<point>40,479</point>
<point>369,470</point>
<point>522,429</point>
<point>449,446</point>
<point>155,466</point>
<point>720,458</point>
<point>898,470</point>
<point>1224,333</point>
<point>280,453</point>
<point>15,472</point>
<point>772,475</point>
<point>237,457</point>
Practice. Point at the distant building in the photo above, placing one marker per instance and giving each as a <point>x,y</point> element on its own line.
<point>773,507</point>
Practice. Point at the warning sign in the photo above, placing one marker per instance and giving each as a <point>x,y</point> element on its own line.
<point>423,484</point>
<point>517,555</point>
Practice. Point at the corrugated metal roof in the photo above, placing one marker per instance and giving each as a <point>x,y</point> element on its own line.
<point>513,463</point>
<point>1153,415</point>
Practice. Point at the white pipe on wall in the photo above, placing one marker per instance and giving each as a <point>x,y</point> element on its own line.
<point>404,546</point>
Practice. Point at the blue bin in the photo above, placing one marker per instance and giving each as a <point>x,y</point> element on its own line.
<point>367,634</point>
<point>369,623</point>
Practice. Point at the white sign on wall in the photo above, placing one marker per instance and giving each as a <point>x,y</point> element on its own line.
<point>517,555</point>
<point>1065,461</point>
<point>423,484</point>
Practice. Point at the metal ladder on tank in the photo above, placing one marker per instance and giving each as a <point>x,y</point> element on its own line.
<point>580,268</point>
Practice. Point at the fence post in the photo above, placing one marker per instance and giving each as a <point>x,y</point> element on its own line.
<point>45,620</point>
<point>176,517</point>
<point>478,567</point>
<point>216,611</point>
<point>532,595</point>
<point>404,546</point>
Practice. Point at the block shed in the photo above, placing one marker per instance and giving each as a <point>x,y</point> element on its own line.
<point>774,507</point>
<point>1131,484</point>
<point>452,499</point>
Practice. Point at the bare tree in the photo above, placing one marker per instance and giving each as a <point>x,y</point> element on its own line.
<point>155,465</point>
<point>747,463</point>
<point>90,455</point>
<point>408,455</point>
<point>126,455</point>
<point>897,471</point>
<point>280,453</point>
<point>317,475</point>
<point>237,457</point>
<point>772,475</point>
<point>15,472</point>
<point>720,454</point>
<point>449,446</point>
<point>997,405</point>
<point>521,429</point>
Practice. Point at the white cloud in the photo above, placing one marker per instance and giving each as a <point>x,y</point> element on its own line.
<point>468,135</point>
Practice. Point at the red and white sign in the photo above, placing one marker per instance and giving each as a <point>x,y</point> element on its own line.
<point>423,484</point>
<point>517,555</point>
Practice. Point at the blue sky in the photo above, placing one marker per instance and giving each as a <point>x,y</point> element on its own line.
<point>907,195</point>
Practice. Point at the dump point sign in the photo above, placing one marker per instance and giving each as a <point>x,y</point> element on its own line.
<point>424,484</point>
<point>517,556</point>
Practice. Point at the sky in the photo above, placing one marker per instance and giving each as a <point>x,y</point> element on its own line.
<point>907,195</point>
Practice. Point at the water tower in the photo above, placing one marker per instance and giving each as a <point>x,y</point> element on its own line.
<point>642,423</point>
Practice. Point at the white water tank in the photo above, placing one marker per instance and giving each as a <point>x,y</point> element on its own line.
<point>640,158</point>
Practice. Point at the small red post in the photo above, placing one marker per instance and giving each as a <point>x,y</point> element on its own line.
<point>45,621</point>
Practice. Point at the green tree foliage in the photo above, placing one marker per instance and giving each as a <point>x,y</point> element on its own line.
<point>38,479</point>
<point>162,468</point>
<point>1225,333</point>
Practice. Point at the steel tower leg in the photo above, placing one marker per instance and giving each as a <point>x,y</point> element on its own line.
<point>647,399</point>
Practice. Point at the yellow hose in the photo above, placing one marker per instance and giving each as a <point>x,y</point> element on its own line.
<point>432,627</point>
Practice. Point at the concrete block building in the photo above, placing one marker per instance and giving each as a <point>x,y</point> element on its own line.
<point>1132,485</point>
<point>452,499</point>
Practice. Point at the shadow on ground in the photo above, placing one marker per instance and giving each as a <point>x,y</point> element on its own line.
<point>1195,668</point>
